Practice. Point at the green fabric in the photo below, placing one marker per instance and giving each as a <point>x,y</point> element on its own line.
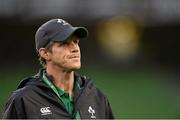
<point>78,116</point>
<point>49,83</point>
<point>66,99</point>
<point>63,96</point>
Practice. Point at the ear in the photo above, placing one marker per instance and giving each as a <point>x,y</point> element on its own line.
<point>44,53</point>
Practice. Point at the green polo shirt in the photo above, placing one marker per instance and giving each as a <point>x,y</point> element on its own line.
<point>66,99</point>
<point>63,96</point>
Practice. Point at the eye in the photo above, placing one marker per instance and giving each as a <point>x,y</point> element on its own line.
<point>76,41</point>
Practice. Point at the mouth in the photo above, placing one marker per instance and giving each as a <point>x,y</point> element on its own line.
<point>74,57</point>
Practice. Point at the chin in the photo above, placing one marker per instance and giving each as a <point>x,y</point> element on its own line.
<point>75,67</point>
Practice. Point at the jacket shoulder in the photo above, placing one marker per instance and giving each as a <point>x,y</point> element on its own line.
<point>91,87</point>
<point>23,88</point>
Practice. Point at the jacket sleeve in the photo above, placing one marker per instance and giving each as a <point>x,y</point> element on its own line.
<point>14,108</point>
<point>109,113</point>
<point>10,111</point>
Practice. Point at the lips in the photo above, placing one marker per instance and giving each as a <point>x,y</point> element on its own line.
<point>74,56</point>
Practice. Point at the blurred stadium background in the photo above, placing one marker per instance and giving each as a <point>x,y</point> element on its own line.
<point>131,53</point>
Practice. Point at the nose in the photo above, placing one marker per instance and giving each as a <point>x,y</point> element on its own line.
<point>74,46</point>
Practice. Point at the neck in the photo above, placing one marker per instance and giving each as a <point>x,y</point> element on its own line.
<point>62,79</point>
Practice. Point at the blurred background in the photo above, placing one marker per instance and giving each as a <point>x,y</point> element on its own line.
<point>132,52</point>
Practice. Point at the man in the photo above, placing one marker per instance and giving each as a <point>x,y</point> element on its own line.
<point>57,92</point>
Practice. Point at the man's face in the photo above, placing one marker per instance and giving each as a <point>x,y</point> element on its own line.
<point>66,55</point>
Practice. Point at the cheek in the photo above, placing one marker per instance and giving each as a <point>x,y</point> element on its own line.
<point>57,56</point>
<point>61,57</point>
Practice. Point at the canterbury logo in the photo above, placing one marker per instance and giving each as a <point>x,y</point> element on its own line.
<point>45,111</point>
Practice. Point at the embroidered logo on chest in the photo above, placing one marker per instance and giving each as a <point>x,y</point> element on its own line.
<point>45,111</point>
<point>92,112</point>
